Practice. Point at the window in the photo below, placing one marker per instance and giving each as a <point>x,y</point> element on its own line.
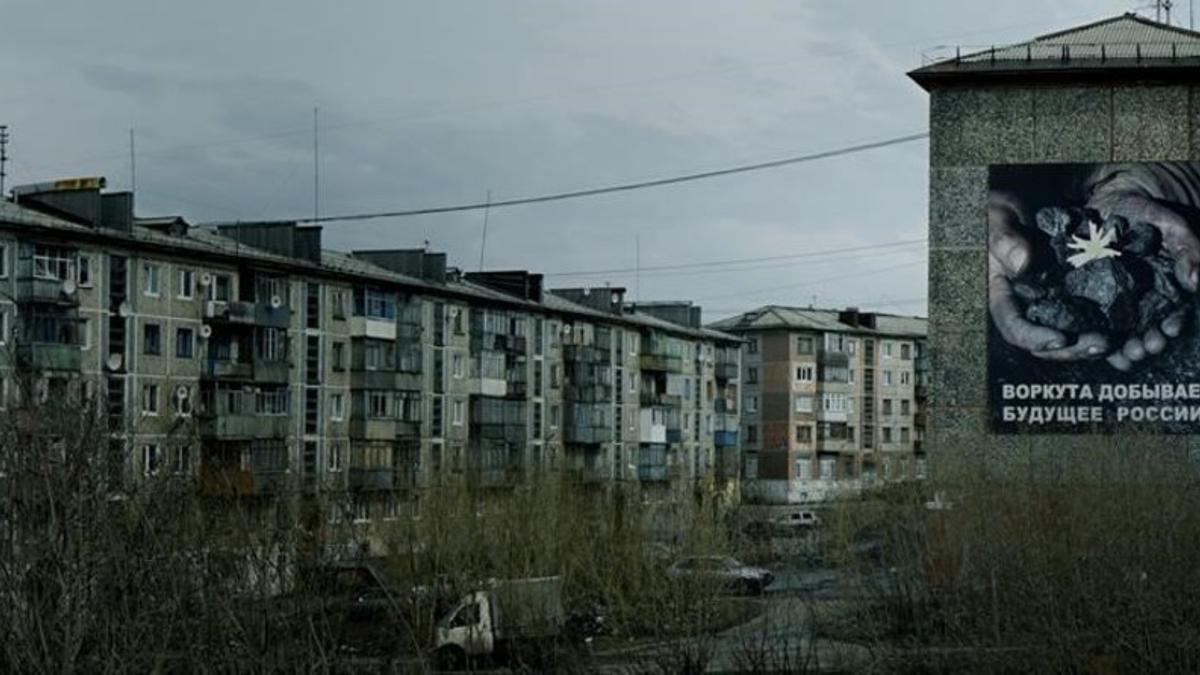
<point>906,351</point>
<point>833,402</point>
<point>333,457</point>
<point>183,460</point>
<point>272,401</point>
<point>804,404</point>
<point>887,434</point>
<point>751,434</point>
<point>751,404</point>
<point>553,417</point>
<point>361,512</point>
<point>888,378</point>
<point>804,344</point>
<point>337,407</point>
<point>184,343</point>
<point>150,280</point>
<point>456,365</point>
<point>85,334</point>
<point>339,355</point>
<point>458,410</point>
<point>887,350</point>
<point>186,288</point>
<point>3,327</point>
<point>152,339</point>
<point>150,399</point>
<point>803,468</point>
<point>904,434</point>
<point>904,406</point>
<point>828,464</point>
<point>377,404</point>
<point>271,344</point>
<point>219,289</point>
<point>803,433</point>
<point>554,376</point>
<point>457,313</point>
<point>52,262</point>
<point>805,373</point>
<point>887,406</point>
<point>851,346</point>
<point>850,376</point>
<point>84,272</point>
<point>752,375</point>
<point>3,261</point>
<point>905,377</point>
<point>183,401</point>
<point>151,459</point>
<point>752,346</point>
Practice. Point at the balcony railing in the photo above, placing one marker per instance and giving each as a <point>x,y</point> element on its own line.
<point>725,439</point>
<point>371,478</point>
<point>573,433</point>
<point>247,313</point>
<point>238,482</point>
<point>49,291</point>
<point>586,354</point>
<point>725,371</point>
<point>231,426</point>
<point>661,362</point>
<point>659,400</point>
<point>49,356</point>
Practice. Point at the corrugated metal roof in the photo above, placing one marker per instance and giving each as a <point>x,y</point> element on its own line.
<point>774,317</point>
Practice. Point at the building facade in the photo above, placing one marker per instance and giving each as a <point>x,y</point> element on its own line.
<point>268,370</point>
<point>832,401</point>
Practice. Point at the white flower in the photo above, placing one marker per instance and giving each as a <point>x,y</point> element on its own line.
<point>1095,247</point>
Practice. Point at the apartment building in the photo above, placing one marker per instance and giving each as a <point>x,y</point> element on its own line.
<point>833,401</point>
<point>268,370</point>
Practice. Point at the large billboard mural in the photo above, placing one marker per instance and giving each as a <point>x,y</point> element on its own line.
<point>1092,280</point>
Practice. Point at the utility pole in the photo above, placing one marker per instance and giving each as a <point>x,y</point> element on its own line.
<point>316,170</point>
<point>637,275</point>
<point>483,241</point>
<point>3,156</point>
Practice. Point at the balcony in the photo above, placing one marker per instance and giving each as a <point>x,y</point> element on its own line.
<point>373,379</point>
<point>587,434</point>
<point>372,429</point>
<point>372,478</point>
<point>226,369</point>
<point>661,362</point>
<point>42,356</point>
<point>833,359</point>
<point>372,327</point>
<point>228,426</point>
<point>726,371</point>
<point>654,473</point>
<point>508,343</point>
<point>247,313</point>
<point>586,354</point>
<point>725,439</point>
<point>47,291</point>
<point>659,400</point>
<point>723,406</point>
<point>589,393</point>
<point>517,390</point>
<point>238,482</point>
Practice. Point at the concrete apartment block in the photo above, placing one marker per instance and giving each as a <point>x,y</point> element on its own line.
<point>833,401</point>
<point>266,369</point>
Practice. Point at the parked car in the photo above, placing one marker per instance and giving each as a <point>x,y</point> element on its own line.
<point>797,521</point>
<point>723,570</point>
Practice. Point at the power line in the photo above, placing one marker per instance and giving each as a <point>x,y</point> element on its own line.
<point>737,261</point>
<point>624,187</point>
<point>802,284</point>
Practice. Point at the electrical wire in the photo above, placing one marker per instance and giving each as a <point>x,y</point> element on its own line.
<point>624,187</point>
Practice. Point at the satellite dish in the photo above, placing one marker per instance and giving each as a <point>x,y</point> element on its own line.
<point>205,331</point>
<point>566,330</point>
<point>276,302</point>
<point>182,392</point>
<point>114,361</point>
<point>68,287</point>
<point>124,310</point>
<point>205,279</point>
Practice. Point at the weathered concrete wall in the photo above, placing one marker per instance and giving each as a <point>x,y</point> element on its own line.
<point>971,128</point>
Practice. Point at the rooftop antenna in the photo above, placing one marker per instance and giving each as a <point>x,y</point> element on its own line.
<point>483,242</point>
<point>3,155</point>
<point>1161,8</point>
<point>316,170</point>
<point>637,278</point>
<point>132,165</point>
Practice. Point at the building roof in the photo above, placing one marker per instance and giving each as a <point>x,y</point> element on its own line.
<point>777,317</point>
<point>209,243</point>
<point>1125,45</point>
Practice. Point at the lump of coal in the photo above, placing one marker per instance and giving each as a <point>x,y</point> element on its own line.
<point>1108,283</point>
<point>1027,291</point>
<point>1152,310</point>
<point>1164,280</point>
<point>1140,239</point>
<point>1056,221</point>
<point>1070,315</point>
<point>1119,225</point>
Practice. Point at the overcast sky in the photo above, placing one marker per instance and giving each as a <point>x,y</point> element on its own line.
<point>433,103</point>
